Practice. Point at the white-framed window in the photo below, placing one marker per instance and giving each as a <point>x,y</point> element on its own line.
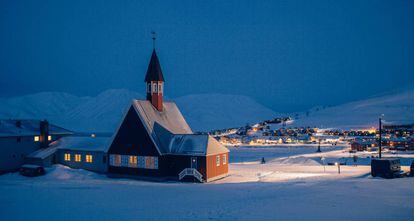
<point>156,163</point>
<point>224,159</point>
<point>149,87</point>
<point>144,162</point>
<point>78,158</point>
<point>67,156</point>
<point>151,162</point>
<point>218,160</point>
<point>124,161</point>
<point>89,158</point>
<point>159,87</point>
<point>154,87</point>
<point>133,161</point>
<point>141,162</point>
<point>115,160</point>
<point>36,138</point>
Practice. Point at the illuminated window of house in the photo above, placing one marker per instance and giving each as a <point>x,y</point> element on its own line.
<point>224,159</point>
<point>36,138</point>
<point>67,156</point>
<point>49,138</point>
<point>133,160</point>
<point>89,158</point>
<point>217,160</point>
<point>78,158</point>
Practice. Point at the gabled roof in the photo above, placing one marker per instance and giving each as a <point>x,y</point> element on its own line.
<point>161,125</point>
<point>195,144</point>
<point>154,72</point>
<point>171,133</point>
<point>10,128</point>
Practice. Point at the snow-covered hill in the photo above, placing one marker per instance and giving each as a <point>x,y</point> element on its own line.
<point>103,112</point>
<point>397,107</point>
<point>218,111</point>
<point>203,112</point>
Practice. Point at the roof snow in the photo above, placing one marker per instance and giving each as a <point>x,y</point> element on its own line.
<point>171,133</point>
<point>10,128</point>
<point>199,144</point>
<point>82,143</point>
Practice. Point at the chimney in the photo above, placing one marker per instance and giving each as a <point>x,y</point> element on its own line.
<point>44,134</point>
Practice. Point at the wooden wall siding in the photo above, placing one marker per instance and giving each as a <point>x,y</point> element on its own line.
<point>132,138</point>
<point>213,170</point>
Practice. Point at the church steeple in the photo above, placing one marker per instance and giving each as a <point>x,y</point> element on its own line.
<point>155,81</point>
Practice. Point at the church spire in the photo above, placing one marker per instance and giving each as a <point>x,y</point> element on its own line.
<point>154,80</point>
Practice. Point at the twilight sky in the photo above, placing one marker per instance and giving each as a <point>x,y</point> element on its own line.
<point>288,55</point>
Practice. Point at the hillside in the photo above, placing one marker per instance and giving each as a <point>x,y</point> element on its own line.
<point>397,107</point>
<point>203,112</point>
<point>103,112</point>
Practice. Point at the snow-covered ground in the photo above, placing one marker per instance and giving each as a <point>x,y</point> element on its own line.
<point>292,185</point>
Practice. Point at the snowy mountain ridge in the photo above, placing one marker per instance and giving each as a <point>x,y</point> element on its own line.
<point>103,112</point>
<point>397,107</point>
<point>203,112</point>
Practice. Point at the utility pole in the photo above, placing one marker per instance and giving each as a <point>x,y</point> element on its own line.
<point>380,137</point>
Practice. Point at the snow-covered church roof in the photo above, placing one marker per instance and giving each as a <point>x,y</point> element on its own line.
<point>171,133</point>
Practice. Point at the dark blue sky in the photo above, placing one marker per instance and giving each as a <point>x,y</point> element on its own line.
<point>288,55</point>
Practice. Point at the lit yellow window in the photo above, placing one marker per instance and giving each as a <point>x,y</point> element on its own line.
<point>78,157</point>
<point>36,138</point>
<point>218,160</point>
<point>67,156</point>
<point>88,158</point>
<point>133,160</point>
<point>49,138</point>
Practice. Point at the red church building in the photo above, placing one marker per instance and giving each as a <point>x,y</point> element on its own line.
<point>154,141</point>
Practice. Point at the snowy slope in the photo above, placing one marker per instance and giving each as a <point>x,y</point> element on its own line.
<point>104,112</point>
<point>397,108</point>
<point>101,113</point>
<point>216,111</point>
<point>40,105</point>
<point>203,112</point>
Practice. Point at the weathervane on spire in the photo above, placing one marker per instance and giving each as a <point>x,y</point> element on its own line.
<point>154,36</point>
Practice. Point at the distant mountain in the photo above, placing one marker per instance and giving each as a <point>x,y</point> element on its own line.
<point>104,112</point>
<point>397,107</point>
<point>203,112</point>
<point>101,113</point>
<point>216,111</point>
